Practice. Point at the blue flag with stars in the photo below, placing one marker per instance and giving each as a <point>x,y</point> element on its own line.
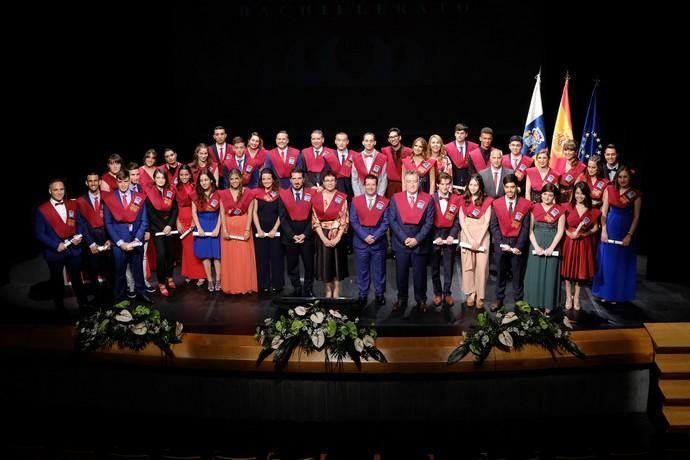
<point>590,143</point>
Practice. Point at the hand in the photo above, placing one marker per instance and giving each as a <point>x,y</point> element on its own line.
<point>126,247</point>
<point>76,241</point>
<point>548,251</point>
<point>604,235</point>
<point>516,251</point>
<point>260,234</point>
<point>202,232</point>
<point>247,234</point>
<point>475,246</point>
<point>61,247</point>
<point>226,236</point>
<point>94,249</point>
<point>450,240</point>
<point>271,234</point>
<point>147,236</point>
<point>410,242</point>
<point>627,240</point>
<point>539,251</point>
<point>108,244</point>
<point>437,241</point>
<point>167,229</point>
<point>370,239</point>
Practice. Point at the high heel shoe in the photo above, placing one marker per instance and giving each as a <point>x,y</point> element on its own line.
<point>164,290</point>
<point>210,286</point>
<point>171,283</point>
<point>576,305</point>
<point>568,303</point>
<point>471,300</point>
<point>217,285</point>
<point>200,282</point>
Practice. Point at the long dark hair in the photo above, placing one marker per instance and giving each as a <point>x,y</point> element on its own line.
<point>584,188</point>
<point>481,194</point>
<point>274,187</point>
<point>621,168</point>
<point>236,172</point>
<point>200,192</point>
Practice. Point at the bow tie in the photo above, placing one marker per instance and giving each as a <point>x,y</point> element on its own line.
<point>443,198</point>
<point>59,203</point>
<point>368,155</point>
<point>613,169</point>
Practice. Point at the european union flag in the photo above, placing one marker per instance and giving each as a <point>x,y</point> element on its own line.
<point>590,143</point>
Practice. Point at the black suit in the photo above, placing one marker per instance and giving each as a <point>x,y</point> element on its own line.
<point>288,229</point>
<point>506,261</point>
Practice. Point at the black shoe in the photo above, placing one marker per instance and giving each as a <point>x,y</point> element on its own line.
<point>131,294</point>
<point>264,290</point>
<point>145,297</point>
<point>349,250</point>
<point>276,290</point>
<point>381,300</point>
<point>401,304</point>
<point>362,301</point>
<point>150,289</point>
<point>308,293</point>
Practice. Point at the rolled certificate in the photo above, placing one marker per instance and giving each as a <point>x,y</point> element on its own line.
<point>504,247</point>
<point>469,246</point>
<point>236,237</point>
<point>70,241</point>
<point>102,248</point>
<point>554,253</point>
<point>444,242</point>
<point>256,235</point>
<point>459,187</point>
<point>206,235</point>
<point>173,232</point>
<point>135,243</point>
<point>186,232</point>
<point>614,242</point>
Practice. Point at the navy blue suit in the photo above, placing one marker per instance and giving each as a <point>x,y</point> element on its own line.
<point>69,259</point>
<point>507,260</point>
<point>284,181</point>
<point>119,231</point>
<point>417,256</point>
<point>100,263</point>
<point>443,255</point>
<point>371,258</point>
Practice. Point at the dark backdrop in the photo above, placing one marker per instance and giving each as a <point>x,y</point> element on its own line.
<point>134,76</point>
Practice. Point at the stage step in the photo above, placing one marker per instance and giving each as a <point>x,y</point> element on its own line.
<point>678,417</point>
<point>673,365</point>
<point>676,392</point>
<point>669,337</point>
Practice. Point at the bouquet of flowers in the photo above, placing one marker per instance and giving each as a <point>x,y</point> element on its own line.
<point>128,328</point>
<point>313,328</point>
<point>525,326</point>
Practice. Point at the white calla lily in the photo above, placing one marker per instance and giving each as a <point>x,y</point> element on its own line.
<point>276,342</point>
<point>368,341</point>
<point>335,313</point>
<point>567,322</point>
<point>124,316</point>
<point>509,318</point>
<point>359,345</point>
<point>505,338</point>
<point>301,311</point>
<point>139,328</point>
<point>317,318</point>
<point>318,339</point>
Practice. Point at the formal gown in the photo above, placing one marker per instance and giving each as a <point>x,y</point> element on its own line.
<point>238,261</point>
<point>542,277</point>
<point>331,262</point>
<point>475,265</point>
<point>579,256</point>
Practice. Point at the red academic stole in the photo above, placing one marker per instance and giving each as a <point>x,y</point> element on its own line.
<point>596,188</point>
<point>210,205</point>
<point>144,178</point>
<point>472,211</point>
<point>110,180</point>
<point>333,210</point>
<point>315,165</point>
<point>370,217</point>
<point>283,169</point>
<point>259,158</point>
<point>446,220</point>
<point>248,167</point>
<point>510,227</point>
<point>341,170</point>
<point>161,201</point>
<point>93,216</point>
<point>536,181</point>
<point>268,196</point>
<point>120,213</point>
<point>454,154</point>
<point>412,215</point>
<point>394,166</point>
<point>478,159</point>
<point>236,208</point>
<point>173,178</point>
<point>297,211</point>
<point>63,229</point>
<point>573,219</point>
<point>569,178</point>
<point>549,216</point>
<point>523,165</point>
<point>376,167</point>
<point>423,168</point>
<point>184,195</point>
<point>624,200</point>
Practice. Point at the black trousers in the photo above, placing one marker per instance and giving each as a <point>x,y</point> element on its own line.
<point>442,255</point>
<point>403,261</point>
<point>164,257</point>
<point>57,285</point>
<point>270,263</point>
<point>505,262</point>
<point>306,252</point>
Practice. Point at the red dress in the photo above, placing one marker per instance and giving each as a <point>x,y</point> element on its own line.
<point>579,257</point>
<point>192,267</point>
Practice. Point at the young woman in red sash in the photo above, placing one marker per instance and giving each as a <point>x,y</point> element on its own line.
<point>579,261</point>
<point>330,220</point>
<point>570,169</point>
<point>270,253</point>
<point>201,161</point>
<point>161,208</point>
<point>238,261</point>
<point>424,166</point>
<point>109,178</point>
<point>206,215</point>
<point>192,268</point>
<point>437,152</point>
<point>256,150</point>
<point>542,277</point>
<point>595,179</point>
<point>475,216</point>
<point>539,175</point>
<point>146,171</point>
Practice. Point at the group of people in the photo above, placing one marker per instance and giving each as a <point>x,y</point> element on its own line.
<point>245,215</point>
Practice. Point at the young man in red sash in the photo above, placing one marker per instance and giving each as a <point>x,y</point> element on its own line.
<point>314,160</point>
<point>97,255</point>
<point>510,237</point>
<point>395,153</point>
<point>518,162</point>
<point>411,217</point>
<point>58,230</point>
<point>340,162</point>
<point>458,152</point>
<point>109,178</point>
<point>237,158</point>
<point>479,157</point>
<point>283,159</point>
<point>296,232</point>
<point>369,222</point>
<point>126,222</point>
<point>150,255</point>
<point>445,232</point>
<point>369,162</point>
<point>219,149</point>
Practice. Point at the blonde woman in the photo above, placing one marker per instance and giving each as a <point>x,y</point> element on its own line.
<point>420,162</point>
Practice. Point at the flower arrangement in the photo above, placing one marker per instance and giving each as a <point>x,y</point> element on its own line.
<point>128,328</point>
<point>525,326</point>
<point>313,328</point>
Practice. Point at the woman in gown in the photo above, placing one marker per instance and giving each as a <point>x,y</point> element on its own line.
<point>238,262</point>
<point>595,179</point>
<point>475,216</point>
<point>581,226</point>
<point>616,277</point>
<point>570,169</point>
<point>542,277</point>
<point>161,208</point>
<point>270,254</point>
<point>205,212</point>
<point>539,175</point>
<point>192,268</point>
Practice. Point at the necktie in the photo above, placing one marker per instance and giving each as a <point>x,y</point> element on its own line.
<point>370,203</point>
<point>462,151</point>
<point>443,198</point>
<point>511,211</point>
<point>282,155</point>
<point>240,162</point>
<point>221,157</point>
<point>60,203</point>
<point>496,181</point>
<point>96,204</point>
<point>125,201</point>
<point>515,164</point>
<point>411,201</point>
<point>342,158</point>
<point>316,153</point>
<point>297,197</point>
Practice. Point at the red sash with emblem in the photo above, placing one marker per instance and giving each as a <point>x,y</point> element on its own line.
<point>523,165</point>
<point>597,187</point>
<point>423,168</point>
<point>268,196</point>
<point>455,156</point>
<point>377,166</point>
<point>445,220</point>
<point>65,229</point>
<point>341,170</point>
<point>283,168</point>
<point>119,212</point>
<point>110,180</point>
<point>370,217</point>
<point>549,216</point>
<point>510,227</point>
<point>184,195</point>
<point>333,210</point>
<point>248,167</point>
<point>569,178</point>
<point>537,182</point>
<point>210,205</point>
<point>393,166</point>
<point>478,159</point>
<point>412,215</point>
<point>93,216</point>
<point>315,165</point>
<point>622,200</point>
<point>259,158</point>
<point>472,211</point>
<point>236,208</point>
<point>297,211</point>
<point>161,201</point>
<point>573,219</point>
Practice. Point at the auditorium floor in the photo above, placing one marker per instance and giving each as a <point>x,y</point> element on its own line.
<point>24,301</point>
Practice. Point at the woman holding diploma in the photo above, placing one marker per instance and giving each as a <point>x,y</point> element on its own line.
<point>581,227</point>
<point>475,216</point>
<point>205,212</point>
<point>542,278</point>
<point>192,268</point>
<point>238,276</point>
<point>270,254</point>
<point>616,277</point>
<point>161,208</point>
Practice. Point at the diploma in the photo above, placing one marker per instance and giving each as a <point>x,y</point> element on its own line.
<point>236,237</point>
<point>554,253</point>
<point>70,241</point>
<point>186,232</point>
<point>469,246</point>
<point>173,232</point>
<point>135,244</point>
<point>444,241</point>
<point>614,242</point>
<point>504,247</point>
<point>256,235</point>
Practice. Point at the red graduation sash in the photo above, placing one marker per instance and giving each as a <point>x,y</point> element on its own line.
<point>549,216</point>
<point>63,229</point>
<point>333,210</point>
<point>184,195</point>
<point>161,201</point>
<point>412,216</point>
<point>248,167</point>
<point>259,158</point>
<point>119,212</point>
<point>341,170</point>
<point>210,205</point>
<point>110,180</point>
<point>472,211</point>
<point>236,208</point>
<point>377,166</point>
<point>93,216</point>
<point>314,165</point>
<point>569,178</point>
<point>297,211</point>
<point>588,219</point>
<point>423,168</point>
<point>445,220</point>
<point>536,181</point>
<point>624,200</point>
<point>524,164</point>
<point>454,154</point>
<point>283,169</point>
<point>394,166</point>
<point>370,217</point>
<point>478,159</point>
<point>268,196</point>
<point>597,187</point>
<point>511,227</point>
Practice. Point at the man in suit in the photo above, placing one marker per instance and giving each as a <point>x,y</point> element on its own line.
<point>314,160</point>
<point>395,152</point>
<point>611,156</point>
<point>510,238</point>
<point>57,229</point>
<point>458,152</point>
<point>126,222</point>
<point>135,186</point>
<point>369,224</point>
<point>494,174</point>
<point>445,232</point>
<point>411,217</point>
<point>369,161</point>
<point>518,162</point>
<point>219,149</point>
<point>283,159</point>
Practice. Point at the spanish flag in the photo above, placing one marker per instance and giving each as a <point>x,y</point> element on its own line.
<point>563,131</point>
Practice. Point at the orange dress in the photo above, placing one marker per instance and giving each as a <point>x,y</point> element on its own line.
<point>237,259</point>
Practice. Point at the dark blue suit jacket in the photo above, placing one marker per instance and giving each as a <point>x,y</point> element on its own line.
<point>361,232</point>
<point>420,232</point>
<point>284,182</point>
<point>120,231</point>
<point>91,235</point>
<point>50,240</point>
